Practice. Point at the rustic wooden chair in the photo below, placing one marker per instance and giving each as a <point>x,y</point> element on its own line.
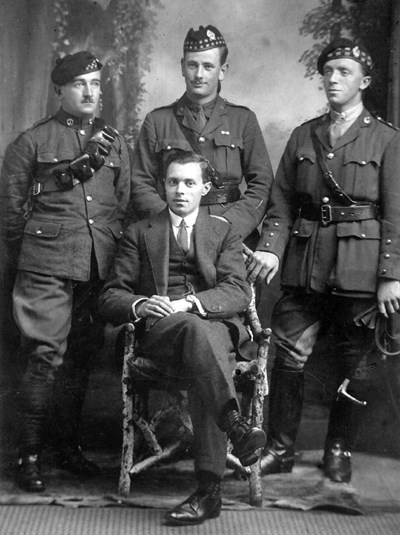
<point>140,375</point>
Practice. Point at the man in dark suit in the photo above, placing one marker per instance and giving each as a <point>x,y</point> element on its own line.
<point>182,276</point>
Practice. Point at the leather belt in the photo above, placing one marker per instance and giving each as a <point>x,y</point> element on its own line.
<point>219,196</point>
<point>336,214</point>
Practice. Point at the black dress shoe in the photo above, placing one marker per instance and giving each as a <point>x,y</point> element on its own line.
<point>246,440</point>
<point>203,504</point>
<point>275,463</point>
<point>73,460</point>
<point>29,477</point>
<point>337,462</point>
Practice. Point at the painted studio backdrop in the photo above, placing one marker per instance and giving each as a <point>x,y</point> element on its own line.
<point>273,46</point>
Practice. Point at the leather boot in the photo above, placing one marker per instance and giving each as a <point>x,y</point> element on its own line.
<point>29,476</point>
<point>342,430</point>
<point>36,389</point>
<point>285,406</point>
<point>204,503</point>
<point>246,440</point>
<point>69,393</point>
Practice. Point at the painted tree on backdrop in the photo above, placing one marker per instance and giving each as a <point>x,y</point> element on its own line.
<point>120,33</point>
<point>367,21</point>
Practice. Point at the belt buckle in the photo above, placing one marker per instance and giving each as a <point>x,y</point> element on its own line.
<point>326,214</point>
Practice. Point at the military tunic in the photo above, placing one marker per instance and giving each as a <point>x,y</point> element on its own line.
<point>63,227</point>
<point>345,257</point>
<point>330,271</point>
<point>231,140</point>
<point>66,239</point>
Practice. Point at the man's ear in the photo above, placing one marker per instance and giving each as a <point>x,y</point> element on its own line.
<point>182,64</point>
<point>365,82</point>
<point>223,71</point>
<point>57,90</point>
<point>206,188</point>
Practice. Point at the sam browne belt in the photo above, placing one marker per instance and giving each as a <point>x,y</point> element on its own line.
<point>325,213</point>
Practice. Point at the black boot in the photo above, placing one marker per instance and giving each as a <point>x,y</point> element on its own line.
<point>285,405</point>
<point>29,477</point>
<point>204,503</point>
<point>246,440</point>
<point>69,393</point>
<point>342,429</point>
<point>36,389</point>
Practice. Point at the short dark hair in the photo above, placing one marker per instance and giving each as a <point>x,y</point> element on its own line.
<point>183,157</point>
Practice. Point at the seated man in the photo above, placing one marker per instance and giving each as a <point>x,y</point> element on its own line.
<point>181,275</point>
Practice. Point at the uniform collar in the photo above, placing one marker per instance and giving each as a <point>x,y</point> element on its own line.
<point>346,116</point>
<point>194,107</point>
<point>67,119</point>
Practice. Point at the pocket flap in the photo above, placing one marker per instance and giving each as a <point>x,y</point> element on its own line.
<point>42,229</point>
<point>306,154</point>
<point>368,229</point>
<point>222,140</point>
<point>170,144</point>
<point>116,229</point>
<point>303,228</point>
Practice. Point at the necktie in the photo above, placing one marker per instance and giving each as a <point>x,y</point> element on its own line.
<point>182,237</point>
<point>336,130</point>
<point>201,120</point>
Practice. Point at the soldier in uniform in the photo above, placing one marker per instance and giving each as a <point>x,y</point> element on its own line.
<point>334,223</point>
<point>228,135</point>
<point>65,186</point>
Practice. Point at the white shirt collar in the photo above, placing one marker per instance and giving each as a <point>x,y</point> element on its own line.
<point>348,115</point>
<point>190,219</point>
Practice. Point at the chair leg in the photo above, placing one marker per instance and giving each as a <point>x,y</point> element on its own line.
<point>127,419</point>
<point>260,391</point>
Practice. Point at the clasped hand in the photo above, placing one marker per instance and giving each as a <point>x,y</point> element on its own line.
<point>160,306</point>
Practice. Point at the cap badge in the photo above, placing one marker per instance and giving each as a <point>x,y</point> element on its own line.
<point>356,52</point>
<point>210,35</point>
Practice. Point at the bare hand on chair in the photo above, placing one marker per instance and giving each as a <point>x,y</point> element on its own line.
<point>261,266</point>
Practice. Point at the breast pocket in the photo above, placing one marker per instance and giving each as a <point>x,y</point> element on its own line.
<point>227,157</point>
<point>361,169</point>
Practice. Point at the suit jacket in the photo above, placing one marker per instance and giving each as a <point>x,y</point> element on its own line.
<point>141,269</point>
<point>231,140</point>
<point>345,257</point>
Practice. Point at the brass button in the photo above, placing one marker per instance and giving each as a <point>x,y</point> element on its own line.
<point>91,221</point>
<point>386,255</point>
<point>38,231</point>
<point>325,199</point>
<point>363,162</point>
<point>55,159</point>
<point>271,234</point>
<point>267,244</point>
<point>363,235</point>
<point>169,147</point>
<point>383,272</point>
<point>201,139</point>
<point>82,132</point>
<point>111,164</point>
<point>295,232</point>
<point>276,224</point>
<point>388,241</point>
<point>89,198</point>
<point>330,155</point>
<point>233,145</point>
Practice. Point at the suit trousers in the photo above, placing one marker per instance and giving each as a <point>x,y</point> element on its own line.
<point>201,351</point>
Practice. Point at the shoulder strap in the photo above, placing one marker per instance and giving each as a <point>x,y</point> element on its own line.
<point>328,175</point>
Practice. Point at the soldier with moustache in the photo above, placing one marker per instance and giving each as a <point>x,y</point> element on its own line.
<point>226,134</point>
<point>333,222</point>
<point>65,186</point>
